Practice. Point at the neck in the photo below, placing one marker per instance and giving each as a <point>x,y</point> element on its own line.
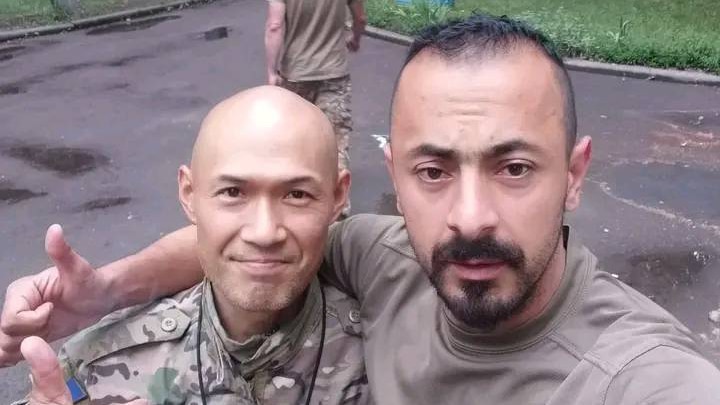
<point>242,324</point>
<point>545,289</point>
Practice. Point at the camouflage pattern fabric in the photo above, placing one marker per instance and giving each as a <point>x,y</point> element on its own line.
<point>150,352</point>
<point>332,96</point>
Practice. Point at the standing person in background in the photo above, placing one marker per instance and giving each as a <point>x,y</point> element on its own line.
<point>306,44</point>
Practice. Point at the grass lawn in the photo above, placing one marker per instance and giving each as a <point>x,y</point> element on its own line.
<point>27,13</point>
<point>681,34</point>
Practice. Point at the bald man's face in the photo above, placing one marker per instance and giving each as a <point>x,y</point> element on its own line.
<point>262,195</point>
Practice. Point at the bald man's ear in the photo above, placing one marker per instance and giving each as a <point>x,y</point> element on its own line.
<point>577,169</point>
<point>185,192</point>
<point>342,191</point>
<point>389,165</point>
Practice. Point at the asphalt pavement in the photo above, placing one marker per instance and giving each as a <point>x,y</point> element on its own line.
<point>94,124</point>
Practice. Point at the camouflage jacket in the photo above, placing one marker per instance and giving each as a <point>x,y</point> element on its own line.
<point>150,352</point>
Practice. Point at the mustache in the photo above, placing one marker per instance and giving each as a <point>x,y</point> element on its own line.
<point>460,249</point>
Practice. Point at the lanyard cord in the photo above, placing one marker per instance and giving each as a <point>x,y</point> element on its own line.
<point>203,395</point>
<point>197,351</point>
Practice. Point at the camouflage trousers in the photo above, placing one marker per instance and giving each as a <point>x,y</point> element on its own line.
<point>332,96</point>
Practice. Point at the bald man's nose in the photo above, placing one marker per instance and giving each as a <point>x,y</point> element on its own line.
<point>265,229</point>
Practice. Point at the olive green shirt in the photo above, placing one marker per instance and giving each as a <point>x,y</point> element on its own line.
<point>598,342</point>
<point>314,46</point>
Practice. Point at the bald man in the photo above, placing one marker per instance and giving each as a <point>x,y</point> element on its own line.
<point>262,189</point>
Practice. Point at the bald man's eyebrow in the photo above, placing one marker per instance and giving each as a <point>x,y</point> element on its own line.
<point>303,180</point>
<point>291,181</point>
<point>228,178</point>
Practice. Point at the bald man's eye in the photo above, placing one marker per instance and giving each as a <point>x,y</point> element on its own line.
<point>298,195</point>
<point>232,192</point>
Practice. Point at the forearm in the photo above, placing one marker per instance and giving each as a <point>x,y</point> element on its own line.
<point>167,266</point>
<point>357,9</point>
<point>274,36</point>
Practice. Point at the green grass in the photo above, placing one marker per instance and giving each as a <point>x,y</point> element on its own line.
<point>28,13</point>
<point>682,34</point>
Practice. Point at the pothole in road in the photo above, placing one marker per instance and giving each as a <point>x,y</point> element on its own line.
<point>132,25</point>
<point>216,33</point>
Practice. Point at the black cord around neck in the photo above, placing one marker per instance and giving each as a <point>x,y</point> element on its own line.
<point>320,349</point>
<point>197,350</point>
<point>203,395</point>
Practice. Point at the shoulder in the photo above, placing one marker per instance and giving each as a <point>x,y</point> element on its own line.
<point>164,320</point>
<point>647,355</point>
<point>366,231</point>
<point>368,226</point>
<point>666,374</point>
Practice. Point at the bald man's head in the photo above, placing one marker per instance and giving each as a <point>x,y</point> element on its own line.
<point>263,187</point>
<point>266,116</point>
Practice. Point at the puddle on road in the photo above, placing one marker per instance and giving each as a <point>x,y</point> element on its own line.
<point>116,86</point>
<point>387,205</point>
<point>132,25</point>
<point>216,33</point>
<point>10,52</point>
<point>103,203</point>
<point>125,61</point>
<point>11,89</point>
<point>62,160</point>
<point>659,273</point>
<point>15,195</point>
<point>678,188</point>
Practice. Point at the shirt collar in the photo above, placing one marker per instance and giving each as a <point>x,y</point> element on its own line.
<point>261,352</point>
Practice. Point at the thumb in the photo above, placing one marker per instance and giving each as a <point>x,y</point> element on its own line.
<point>48,382</point>
<point>64,257</point>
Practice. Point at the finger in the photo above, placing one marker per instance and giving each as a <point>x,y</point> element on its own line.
<point>48,382</point>
<point>65,258</point>
<point>9,358</point>
<point>27,323</point>
<point>15,299</point>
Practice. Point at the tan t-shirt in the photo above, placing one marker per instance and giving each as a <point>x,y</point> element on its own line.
<point>599,341</point>
<point>314,47</point>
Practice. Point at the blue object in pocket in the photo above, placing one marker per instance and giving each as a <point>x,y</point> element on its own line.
<point>76,391</point>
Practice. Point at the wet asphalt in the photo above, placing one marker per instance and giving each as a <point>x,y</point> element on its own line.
<point>94,124</point>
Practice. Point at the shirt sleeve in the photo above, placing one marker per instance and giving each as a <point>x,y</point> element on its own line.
<point>666,376</point>
<point>352,245</point>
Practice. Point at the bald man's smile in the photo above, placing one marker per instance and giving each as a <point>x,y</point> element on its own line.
<point>258,266</point>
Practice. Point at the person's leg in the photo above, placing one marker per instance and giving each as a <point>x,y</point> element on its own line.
<point>306,90</point>
<point>333,98</point>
